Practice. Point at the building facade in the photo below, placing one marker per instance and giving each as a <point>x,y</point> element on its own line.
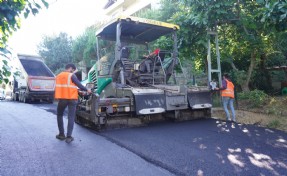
<point>114,8</point>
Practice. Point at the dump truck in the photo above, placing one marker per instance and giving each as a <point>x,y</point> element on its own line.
<point>131,88</point>
<point>34,81</point>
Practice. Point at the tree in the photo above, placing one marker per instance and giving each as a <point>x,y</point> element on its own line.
<point>56,51</point>
<point>10,12</point>
<point>84,47</point>
<point>5,69</point>
<point>244,26</point>
<point>274,13</point>
<point>10,21</point>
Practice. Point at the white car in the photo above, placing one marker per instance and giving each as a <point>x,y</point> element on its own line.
<point>8,97</point>
<point>2,94</point>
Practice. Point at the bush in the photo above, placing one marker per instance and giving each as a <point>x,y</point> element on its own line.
<point>274,124</point>
<point>256,98</point>
<point>276,106</point>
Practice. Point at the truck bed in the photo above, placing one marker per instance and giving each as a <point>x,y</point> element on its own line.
<point>36,68</point>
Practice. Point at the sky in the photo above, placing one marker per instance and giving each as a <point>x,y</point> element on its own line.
<point>69,16</point>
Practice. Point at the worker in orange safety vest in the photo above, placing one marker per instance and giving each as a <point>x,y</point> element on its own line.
<point>66,91</point>
<point>227,94</point>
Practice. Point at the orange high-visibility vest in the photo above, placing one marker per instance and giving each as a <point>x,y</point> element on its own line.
<point>65,88</point>
<point>229,91</point>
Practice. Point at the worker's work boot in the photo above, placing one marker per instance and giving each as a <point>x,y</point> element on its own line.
<point>61,136</point>
<point>69,139</point>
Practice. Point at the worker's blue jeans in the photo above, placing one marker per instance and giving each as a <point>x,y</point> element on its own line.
<point>227,101</point>
<point>62,104</point>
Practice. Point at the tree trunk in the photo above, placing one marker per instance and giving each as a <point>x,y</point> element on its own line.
<point>265,73</point>
<point>252,65</point>
<point>233,66</point>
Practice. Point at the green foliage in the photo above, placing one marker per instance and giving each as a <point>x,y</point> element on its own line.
<point>162,14</point>
<point>56,51</point>
<point>5,68</point>
<point>279,75</point>
<point>261,82</point>
<point>247,30</point>
<point>275,123</point>
<point>4,72</point>
<point>276,59</point>
<point>84,47</point>
<point>278,56</point>
<point>256,98</point>
<point>243,34</point>
<point>10,12</point>
<point>238,76</point>
<point>275,14</point>
<point>164,42</point>
<point>149,14</point>
<point>208,13</point>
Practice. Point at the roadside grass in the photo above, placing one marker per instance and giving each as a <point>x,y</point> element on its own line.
<point>275,123</point>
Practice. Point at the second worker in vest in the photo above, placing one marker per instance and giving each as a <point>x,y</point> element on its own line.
<point>66,92</point>
<point>227,94</point>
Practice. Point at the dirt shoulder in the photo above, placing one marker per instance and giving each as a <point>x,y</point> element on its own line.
<point>273,114</point>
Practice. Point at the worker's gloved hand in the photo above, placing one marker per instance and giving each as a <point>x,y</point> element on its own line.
<point>82,93</point>
<point>89,91</point>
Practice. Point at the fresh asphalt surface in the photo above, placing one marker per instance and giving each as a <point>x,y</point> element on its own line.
<point>199,147</point>
<point>207,146</point>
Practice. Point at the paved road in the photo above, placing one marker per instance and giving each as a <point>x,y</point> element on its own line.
<point>207,147</point>
<point>29,148</point>
<point>201,147</point>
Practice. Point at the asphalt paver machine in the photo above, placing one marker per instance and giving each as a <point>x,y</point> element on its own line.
<point>131,89</point>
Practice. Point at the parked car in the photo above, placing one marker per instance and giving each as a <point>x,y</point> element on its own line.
<point>8,97</point>
<point>2,94</point>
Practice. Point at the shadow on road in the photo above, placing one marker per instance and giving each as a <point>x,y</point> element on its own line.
<point>207,147</point>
